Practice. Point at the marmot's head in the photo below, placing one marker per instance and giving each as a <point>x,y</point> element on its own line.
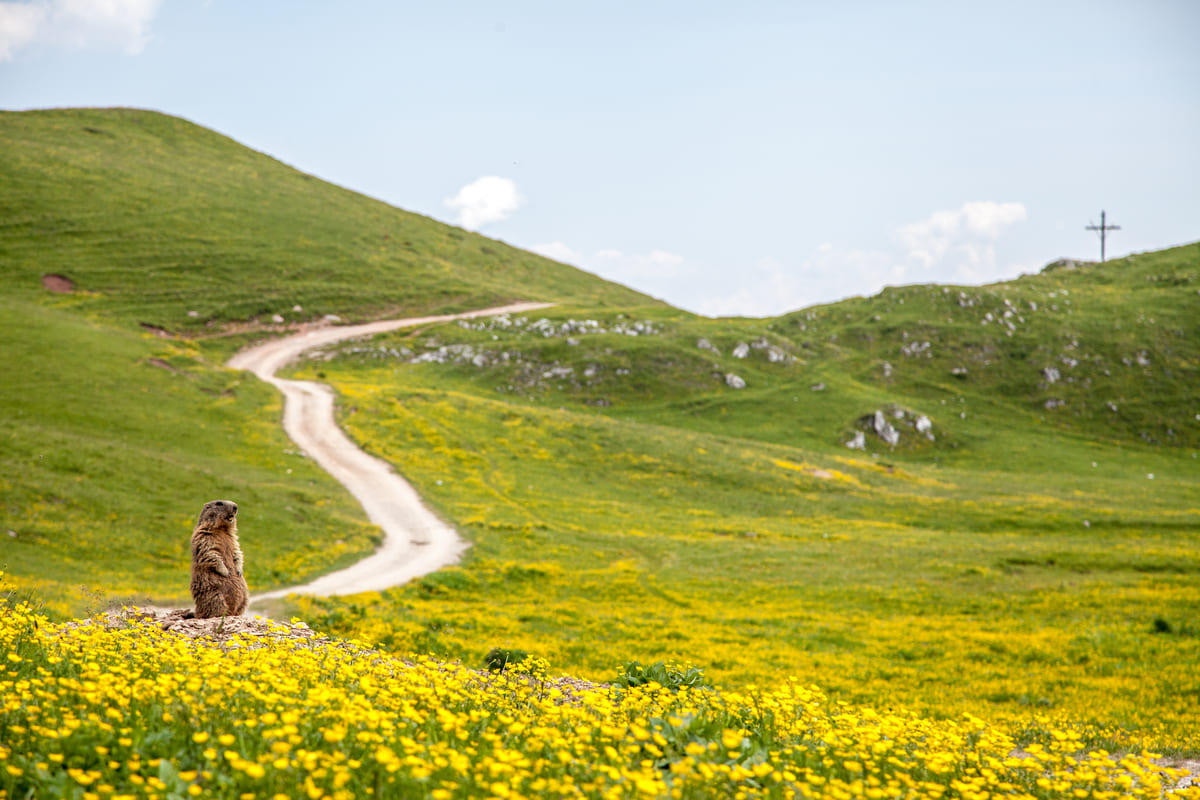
<point>218,515</point>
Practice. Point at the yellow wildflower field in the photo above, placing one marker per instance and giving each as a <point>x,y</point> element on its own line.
<point>92,712</point>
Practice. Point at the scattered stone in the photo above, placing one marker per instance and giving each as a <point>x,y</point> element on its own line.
<point>297,308</point>
<point>1111,406</point>
<point>13,534</point>
<point>705,344</point>
<point>734,382</point>
<point>777,355</point>
<point>742,350</point>
<point>1143,358</point>
<point>859,442</point>
<point>332,318</point>
<point>817,387</point>
<point>1051,374</point>
<point>887,370</point>
<point>276,318</point>
<point>884,430</point>
<point>959,372</point>
<point>193,313</point>
<point>1053,403</point>
<point>572,341</point>
<point>924,425</point>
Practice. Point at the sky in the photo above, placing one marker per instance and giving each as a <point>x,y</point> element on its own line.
<point>745,158</point>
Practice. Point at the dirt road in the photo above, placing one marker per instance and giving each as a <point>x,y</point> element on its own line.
<point>415,541</point>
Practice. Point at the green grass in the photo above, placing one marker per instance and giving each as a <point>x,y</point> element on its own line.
<point>1016,565</point>
<point>624,502</point>
<point>110,443</point>
<point>152,217</point>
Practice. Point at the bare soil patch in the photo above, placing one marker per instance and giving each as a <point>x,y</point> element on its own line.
<point>59,284</point>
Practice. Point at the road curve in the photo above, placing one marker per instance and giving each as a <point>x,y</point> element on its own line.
<point>415,541</point>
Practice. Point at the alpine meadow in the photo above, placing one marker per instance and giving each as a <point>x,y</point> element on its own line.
<point>943,541</point>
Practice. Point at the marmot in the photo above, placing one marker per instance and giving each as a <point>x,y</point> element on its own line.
<point>218,585</point>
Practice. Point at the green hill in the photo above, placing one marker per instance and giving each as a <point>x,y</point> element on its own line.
<point>1008,559</point>
<point>636,482</point>
<point>118,420</point>
<point>153,217</point>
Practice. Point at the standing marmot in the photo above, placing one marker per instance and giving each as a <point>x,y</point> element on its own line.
<point>218,586</point>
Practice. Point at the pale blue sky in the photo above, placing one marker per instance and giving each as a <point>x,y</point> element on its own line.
<point>747,158</point>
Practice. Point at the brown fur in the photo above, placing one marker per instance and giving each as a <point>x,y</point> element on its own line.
<point>218,585</point>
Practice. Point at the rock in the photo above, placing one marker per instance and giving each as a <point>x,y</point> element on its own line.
<point>1111,406</point>
<point>777,355</point>
<point>887,370</point>
<point>1051,374</point>
<point>742,350</point>
<point>297,308</point>
<point>276,319</point>
<point>959,372</point>
<point>193,313</point>
<point>1054,402</point>
<point>572,341</point>
<point>859,442</point>
<point>884,430</point>
<point>705,344</point>
<point>332,318</point>
<point>734,382</point>
<point>1143,358</point>
<point>924,424</point>
<point>817,387</point>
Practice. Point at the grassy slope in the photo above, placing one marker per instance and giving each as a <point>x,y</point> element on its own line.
<point>729,527</point>
<point>1015,565</point>
<point>153,216</point>
<point>112,437</point>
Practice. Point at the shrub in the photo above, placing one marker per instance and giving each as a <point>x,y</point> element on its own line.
<point>669,675</point>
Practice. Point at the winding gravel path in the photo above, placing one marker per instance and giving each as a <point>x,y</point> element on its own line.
<point>415,541</point>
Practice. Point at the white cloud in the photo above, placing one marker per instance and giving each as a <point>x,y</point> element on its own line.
<point>949,246</point>
<point>636,269</point>
<point>489,199</point>
<point>123,24</point>
<point>962,241</point>
<point>770,287</point>
<point>638,266</point>
<point>557,251</point>
<point>19,25</point>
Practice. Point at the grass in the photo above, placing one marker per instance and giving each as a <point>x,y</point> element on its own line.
<point>154,217</point>
<point>1033,565</point>
<point>1012,567</point>
<point>110,443</point>
<point>119,420</point>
